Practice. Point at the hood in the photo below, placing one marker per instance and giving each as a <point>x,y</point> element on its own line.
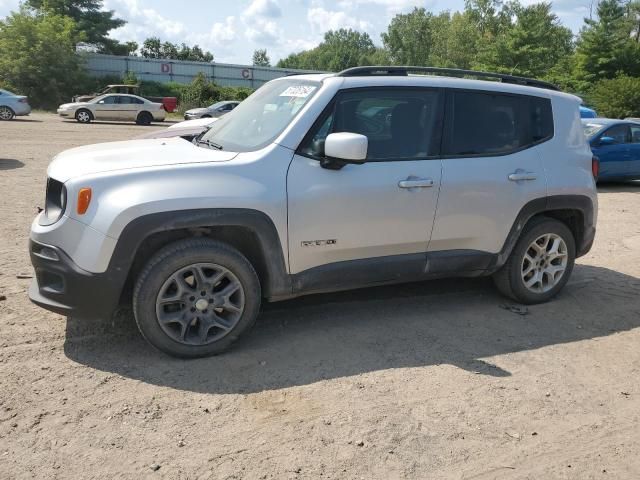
<point>109,157</point>
<point>198,122</point>
<point>73,105</point>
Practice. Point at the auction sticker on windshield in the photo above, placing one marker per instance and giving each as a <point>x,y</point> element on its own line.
<point>301,91</point>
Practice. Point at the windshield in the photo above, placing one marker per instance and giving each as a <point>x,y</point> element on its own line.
<point>263,116</point>
<point>592,128</point>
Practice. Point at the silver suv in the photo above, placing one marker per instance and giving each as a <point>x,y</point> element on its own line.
<point>318,183</point>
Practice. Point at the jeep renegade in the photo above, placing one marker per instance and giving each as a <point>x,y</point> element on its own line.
<point>318,183</point>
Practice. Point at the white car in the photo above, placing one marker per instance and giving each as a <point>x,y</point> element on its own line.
<point>115,107</point>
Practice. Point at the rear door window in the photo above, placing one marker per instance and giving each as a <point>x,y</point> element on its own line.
<point>489,124</point>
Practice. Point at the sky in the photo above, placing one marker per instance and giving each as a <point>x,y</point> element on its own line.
<point>232,30</point>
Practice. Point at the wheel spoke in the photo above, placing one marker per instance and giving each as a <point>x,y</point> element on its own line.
<point>204,325</point>
<point>199,280</point>
<point>229,290</point>
<point>533,280</point>
<point>221,323</point>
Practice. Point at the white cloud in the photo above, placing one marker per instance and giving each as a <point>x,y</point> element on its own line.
<point>322,20</point>
<point>260,25</point>
<point>143,22</point>
<point>264,8</point>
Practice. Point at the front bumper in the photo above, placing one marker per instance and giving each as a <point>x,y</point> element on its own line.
<point>62,287</point>
<point>65,113</point>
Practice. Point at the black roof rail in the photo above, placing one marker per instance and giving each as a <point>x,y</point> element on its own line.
<point>404,71</point>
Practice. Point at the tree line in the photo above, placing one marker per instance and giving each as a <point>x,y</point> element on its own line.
<point>38,47</point>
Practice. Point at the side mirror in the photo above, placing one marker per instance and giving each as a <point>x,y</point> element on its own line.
<point>347,147</point>
<point>604,141</point>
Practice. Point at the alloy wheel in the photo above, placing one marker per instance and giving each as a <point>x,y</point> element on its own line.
<point>544,263</point>
<point>199,304</point>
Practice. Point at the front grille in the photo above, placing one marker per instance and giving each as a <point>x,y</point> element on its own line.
<point>55,202</point>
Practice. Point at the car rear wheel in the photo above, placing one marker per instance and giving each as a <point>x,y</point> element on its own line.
<point>84,116</point>
<point>196,297</point>
<point>6,113</point>
<point>144,118</point>
<point>540,264</point>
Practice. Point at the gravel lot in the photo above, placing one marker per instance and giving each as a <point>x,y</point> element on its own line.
<point>432,380</point>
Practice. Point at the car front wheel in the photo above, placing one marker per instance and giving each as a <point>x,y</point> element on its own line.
<point>84,116</point>
<point>540,264</point>
<point>196,297</point>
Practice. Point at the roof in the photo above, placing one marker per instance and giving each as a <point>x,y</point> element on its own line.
<point>436,81</point>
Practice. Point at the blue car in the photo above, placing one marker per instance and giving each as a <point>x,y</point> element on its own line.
<point>586,112</point>
<point>12,105</point>
<point>616,143</point>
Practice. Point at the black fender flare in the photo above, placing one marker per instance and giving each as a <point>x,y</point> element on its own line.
<point>278,283</point>
<point>549,205</point>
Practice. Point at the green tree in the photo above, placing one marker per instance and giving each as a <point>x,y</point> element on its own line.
<point>617,98</point>
<point>607,46</point>
<point>340,49</point>
<point>410,37</point>
<point>90,18</point>
<point>37,56</point>
<point>531,45</point>
<point>261,59</point>
<point>151,48</point>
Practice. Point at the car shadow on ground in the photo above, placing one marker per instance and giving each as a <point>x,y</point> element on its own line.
<point>616,187</point>
<point>127,124</point>
<point>26,120</point>
<point>10,164</point>
<point>458,322</point>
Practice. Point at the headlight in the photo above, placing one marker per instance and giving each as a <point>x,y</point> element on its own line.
<point>55,202</point>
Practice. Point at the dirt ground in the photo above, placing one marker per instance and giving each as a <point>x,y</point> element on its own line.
<point>424,381</point>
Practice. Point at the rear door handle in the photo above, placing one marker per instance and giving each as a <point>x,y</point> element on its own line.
<point>416,183</point>
<point>520,175</point>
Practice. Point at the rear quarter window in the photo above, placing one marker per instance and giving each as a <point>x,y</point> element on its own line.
<point>490,124</point>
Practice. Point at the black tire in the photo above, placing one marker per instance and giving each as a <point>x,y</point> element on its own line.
<point>206,116</point>
<point>84,116</point>
<point>6,113</point>
<point>160,269</point>
<point>509,279</point>
<point>144,118</point>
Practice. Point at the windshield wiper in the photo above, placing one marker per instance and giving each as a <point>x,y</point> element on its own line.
<point>210,144</point>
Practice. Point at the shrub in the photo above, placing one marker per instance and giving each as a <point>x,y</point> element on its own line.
<point>616,98</point>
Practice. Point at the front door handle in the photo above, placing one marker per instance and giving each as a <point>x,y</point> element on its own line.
<point>413,182</point>
<point>520,175</point>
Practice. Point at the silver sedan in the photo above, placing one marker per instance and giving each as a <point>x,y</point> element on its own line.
<point>115,107</point>
<point>213,111</point>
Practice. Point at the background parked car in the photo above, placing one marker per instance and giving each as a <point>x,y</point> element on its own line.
<point>12,105</point>
<point>586,112</point>
<point>188,129</point>
<point>616,143</point>
<point>170,103</point>
<point>115,107</point>
<point>216,110</point>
